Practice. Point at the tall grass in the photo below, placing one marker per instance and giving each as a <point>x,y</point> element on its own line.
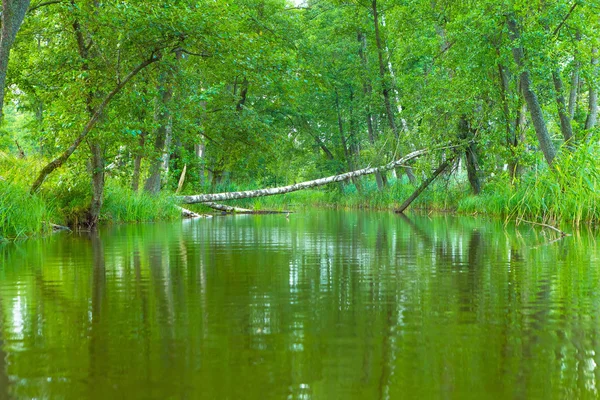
<point>123,205</point>
<point>21,214</point>
<point>568,193</point>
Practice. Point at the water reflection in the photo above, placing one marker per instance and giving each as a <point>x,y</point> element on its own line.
<point>324,305</point>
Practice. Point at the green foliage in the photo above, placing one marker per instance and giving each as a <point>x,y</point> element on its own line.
<point>258,93</point>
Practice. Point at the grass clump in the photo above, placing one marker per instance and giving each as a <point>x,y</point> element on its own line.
<point>21,215</point>
<point>568,193</point>
<point>123,205</point>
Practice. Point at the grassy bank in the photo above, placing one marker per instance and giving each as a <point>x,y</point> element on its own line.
<point>567,195</point>
<point>65,201</point>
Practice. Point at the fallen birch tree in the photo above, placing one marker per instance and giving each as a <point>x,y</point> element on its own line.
<point>203,198</point>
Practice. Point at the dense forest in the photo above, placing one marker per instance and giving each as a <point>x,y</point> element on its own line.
<point>111,109</point>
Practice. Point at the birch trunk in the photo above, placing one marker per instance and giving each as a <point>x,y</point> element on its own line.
<point>225,208</point>
<point>202,198</point>
<point>199,149</point>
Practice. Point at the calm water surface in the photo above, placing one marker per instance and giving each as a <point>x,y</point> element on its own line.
<point>325,305</point>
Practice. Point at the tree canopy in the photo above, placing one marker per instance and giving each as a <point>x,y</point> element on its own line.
<point>276,92</point>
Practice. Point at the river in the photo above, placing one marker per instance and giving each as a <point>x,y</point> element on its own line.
<point>320,305</point>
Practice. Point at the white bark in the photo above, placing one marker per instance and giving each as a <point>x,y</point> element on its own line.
<point>185,213</point>
<point>226,208</point>
<point>202,198</point>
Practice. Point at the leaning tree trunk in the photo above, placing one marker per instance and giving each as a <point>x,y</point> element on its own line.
<point>13,13</point>
<point>424,185</point>
<point>201,198</point>
<point>60,160</point>
<point>533,104</point>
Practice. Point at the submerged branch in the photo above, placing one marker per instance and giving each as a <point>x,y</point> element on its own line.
<point>545,226</point>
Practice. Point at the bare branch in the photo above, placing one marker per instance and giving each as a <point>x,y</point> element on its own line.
<point>564,19</point>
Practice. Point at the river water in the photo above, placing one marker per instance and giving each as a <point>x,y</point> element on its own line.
<point>323,305</point>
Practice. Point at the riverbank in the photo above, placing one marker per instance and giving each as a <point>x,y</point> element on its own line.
<point>566,195</point>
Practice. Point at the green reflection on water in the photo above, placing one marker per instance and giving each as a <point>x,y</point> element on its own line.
<point>326,305</point>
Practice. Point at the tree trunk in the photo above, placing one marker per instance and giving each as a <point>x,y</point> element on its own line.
<point>97,170</point>
<point>573,91</point>
<point>565,121</point>
<point>521,125</point>
<point>243,95</point>
<point>367,90</point>
<point>137,163</point>
<point>13,13</point>
<point>201,198</point>
<point>465,132</point>
<point>162,133</point>
<point>575,78</point>
<point>60,160</point>
<point>345,147</point>
<point>510,124</point>
<point>533,104</point>
<point>424,185</point>
<point>386,88</point>
<point>353,145</point>
<point>225,208</point>
<point>592,116</point>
